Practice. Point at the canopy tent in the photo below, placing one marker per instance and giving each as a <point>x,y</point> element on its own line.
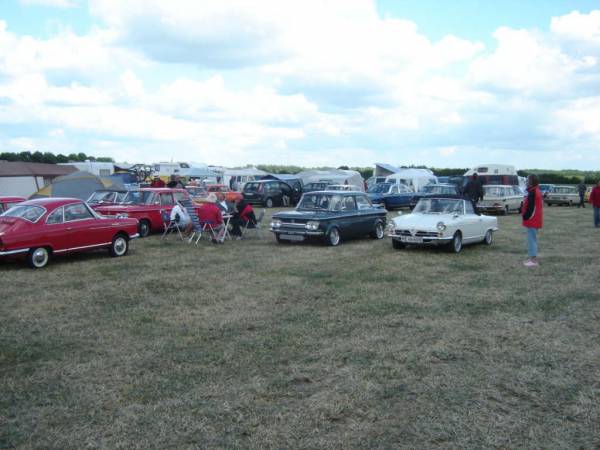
<point>78,185</point>
<point>333,176</point>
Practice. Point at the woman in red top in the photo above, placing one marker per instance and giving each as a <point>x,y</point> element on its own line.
<point>595,201</point>
<point>533,218</point>
<point>210,214</point>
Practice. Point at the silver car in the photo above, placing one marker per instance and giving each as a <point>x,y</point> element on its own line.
<point>562,195</point>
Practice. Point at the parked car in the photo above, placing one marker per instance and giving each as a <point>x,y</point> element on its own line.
<point>435,190</point>
<point>546,188</point>
<point>390,195</point>
<point>230,196</point>
<point>501,199</point>
<point>44,227</point>
<point>342,187</point>
<point>442,221</point>
<point>8,202</point>
<point>319,186</point>
<point>269,193</point>
<point>562,195</point>
<point>330,216</point>
<point>145,205</point>
<point>103,197</point>
<point>197,192</point>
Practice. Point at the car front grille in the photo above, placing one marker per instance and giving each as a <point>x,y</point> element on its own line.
<point>417,233</point>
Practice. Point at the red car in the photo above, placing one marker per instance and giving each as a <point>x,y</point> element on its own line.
<point>43,227</point>
<point>8,202</point>
<point>230,196</point>
<point>146,205</point>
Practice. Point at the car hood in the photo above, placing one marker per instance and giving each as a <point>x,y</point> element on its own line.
<point>422,221</point>
<point>306,215</point>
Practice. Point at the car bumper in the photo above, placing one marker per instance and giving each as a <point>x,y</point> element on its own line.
<point>418,240</point>
<point>134,236</point>
<point>491,208</point>
<point>297,235</point>
<point>14,252</point>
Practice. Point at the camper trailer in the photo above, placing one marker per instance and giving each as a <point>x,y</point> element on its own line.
<point>497,174</point>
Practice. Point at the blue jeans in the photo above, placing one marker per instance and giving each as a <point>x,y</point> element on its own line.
<point>596,216</point>
<point>532,242</point>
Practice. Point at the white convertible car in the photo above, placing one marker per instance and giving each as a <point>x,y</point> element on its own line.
<point>442,221</point>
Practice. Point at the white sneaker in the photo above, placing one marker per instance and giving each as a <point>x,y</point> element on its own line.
<point>530,263</point>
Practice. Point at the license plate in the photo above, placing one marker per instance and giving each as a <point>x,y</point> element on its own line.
<point>412,239</point>
<point>291,237</point>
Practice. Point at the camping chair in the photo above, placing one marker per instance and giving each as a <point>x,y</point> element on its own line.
<point>257,226</point>
<point>196,225</point>
<point>169,225</point>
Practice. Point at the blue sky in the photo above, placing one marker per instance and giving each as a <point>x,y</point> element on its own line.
<point>231,82</point>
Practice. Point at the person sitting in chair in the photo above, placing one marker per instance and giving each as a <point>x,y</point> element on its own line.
<point>180,215</point>
<point>243,216</point>
<point>209,213</point>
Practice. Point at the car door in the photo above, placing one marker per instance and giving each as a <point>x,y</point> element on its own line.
<point>55,230</point>
<point>367,214</point>
<point>472,222</point>
<point>350,221</point>
<point>81,225</point>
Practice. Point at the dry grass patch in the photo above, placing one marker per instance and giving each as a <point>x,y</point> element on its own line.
<point>252,344</point>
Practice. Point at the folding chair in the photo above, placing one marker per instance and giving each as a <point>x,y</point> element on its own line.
<point>196,225</point>
<point>258,226</point>
<point>169,225</point>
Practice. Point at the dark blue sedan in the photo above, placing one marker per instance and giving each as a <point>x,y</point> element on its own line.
<point>390,195</point>
<point>330,216</point>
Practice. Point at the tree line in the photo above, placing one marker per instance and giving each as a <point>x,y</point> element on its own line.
<point>51,158</point>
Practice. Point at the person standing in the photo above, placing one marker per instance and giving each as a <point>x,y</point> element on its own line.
<point>595,202</point>
<point>581,188</point>
<point>474,191</point>
<point>533,218</point>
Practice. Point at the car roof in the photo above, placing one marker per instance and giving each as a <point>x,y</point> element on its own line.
<point>52,201</point>
<point>336,192</point>
<point>447,197</point>
<point>497,185</point>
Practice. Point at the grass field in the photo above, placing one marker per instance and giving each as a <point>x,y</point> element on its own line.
<point>255,345</point>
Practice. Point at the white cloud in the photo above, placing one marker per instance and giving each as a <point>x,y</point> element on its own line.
<point>52,3</point>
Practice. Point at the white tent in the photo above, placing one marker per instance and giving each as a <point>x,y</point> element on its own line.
<point>415,179</point>
<point>333,176</point>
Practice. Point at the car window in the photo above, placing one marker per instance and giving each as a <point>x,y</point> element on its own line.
<point>394,189</point>
<point>362,202</point>
<point>348,203</point>
<point>166,199</point>
<point>469,208</point>
<point>55,216</point>
<point>77,211</point>
<point>179,196</point>
<point>27,212</point>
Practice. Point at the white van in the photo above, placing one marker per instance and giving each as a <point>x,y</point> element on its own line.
<point>498,174</point>
<point>414,179</point>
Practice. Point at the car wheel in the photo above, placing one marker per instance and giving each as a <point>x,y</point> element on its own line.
<point>38,257</point>
<point>119,246</point>
<point>488,238</point>
<point>333,237</point>
<point>144,228</point>
<point>378,231</point>
<point>505,211</point>
<point>269,203</point>
<point>398,245</point>
<point>455,245</point>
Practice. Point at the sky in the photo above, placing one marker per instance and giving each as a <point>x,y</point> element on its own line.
<point>313,83</point>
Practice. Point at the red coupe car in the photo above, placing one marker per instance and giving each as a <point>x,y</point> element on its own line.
<point>43,227</point>
<point>8,202</point>
<point>146,205</point>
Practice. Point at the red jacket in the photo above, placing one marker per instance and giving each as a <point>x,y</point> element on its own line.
<point>210,213</point>
<point>533,214</point>
<point>157,183</point>
<point>245,213</point>
<point>595,197</point>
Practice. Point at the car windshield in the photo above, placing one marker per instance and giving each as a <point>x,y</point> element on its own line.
<point>494,191</point>
<point>253,187</point>
<point>27,212</point>
<point>438,206</point>
<point>196,190</point>
<point>437,189</point>
<point>320,202</point>
<point>380,188</point>
<point>138,198</point>
<point>101,196</point>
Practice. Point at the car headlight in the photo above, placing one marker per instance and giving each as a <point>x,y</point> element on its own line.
<point>391,228</point>
<point>275,223</point>
<point>312,225</point>
<point>441,226</point>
